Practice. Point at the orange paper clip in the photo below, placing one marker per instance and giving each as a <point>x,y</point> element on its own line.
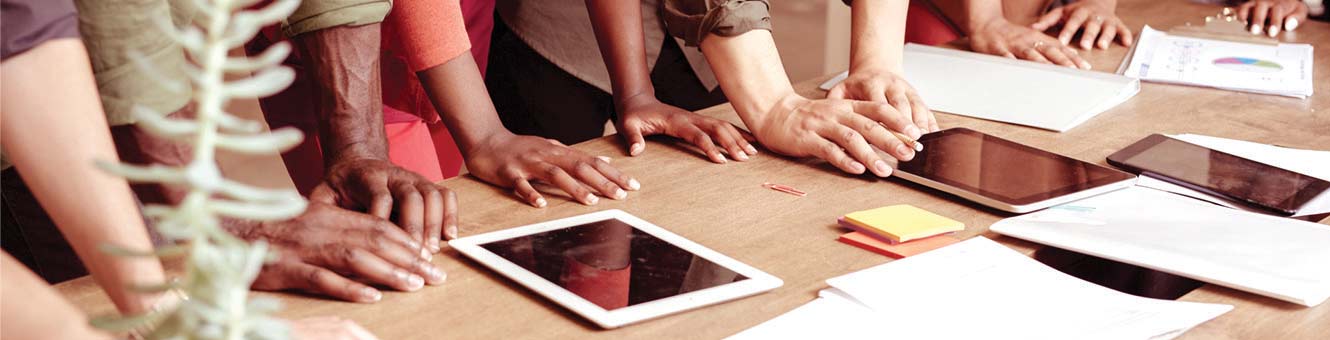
<point>785,189</point>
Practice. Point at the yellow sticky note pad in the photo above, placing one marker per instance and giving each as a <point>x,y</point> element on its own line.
<point>902,223</point>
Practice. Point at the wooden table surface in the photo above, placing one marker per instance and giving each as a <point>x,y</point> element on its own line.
<point>725,208</point>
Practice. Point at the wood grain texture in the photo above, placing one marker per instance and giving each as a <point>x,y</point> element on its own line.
<point>726,208</point>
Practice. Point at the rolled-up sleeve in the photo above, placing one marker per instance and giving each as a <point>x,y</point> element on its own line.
<point>693,20</point>
<point>313,15</point>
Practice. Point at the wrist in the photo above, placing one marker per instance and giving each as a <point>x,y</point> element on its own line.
<point>984,22</point>
<point>471,149</point>
<point>621,103</point>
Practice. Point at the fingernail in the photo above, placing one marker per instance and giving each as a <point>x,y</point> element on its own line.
<point>721,158</point>
<point>1103,44</point>
<point>856,167</point>
<point>371,294</point>
<point>414,282</point>
<point>425,254</point>
<point>913,132</point>
<point>634,185</point>
<point>903,150</point>
<point>620,194</point>
<point>1290,24</point>
<point>540,202</point>
<point>451,231</point>
<point>751,150</point>
<point>1085,65</point>
<point>743,156</point>
<point>605,159</point>
<point>882,168</point>
<point>1085,45</point>
<point>1273,30</point>
<point>636,149</point>
<point>1256,29</point>
<point>435,274</point>
<point>591,199</point>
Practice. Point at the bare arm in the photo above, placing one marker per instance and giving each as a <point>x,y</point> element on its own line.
<point>876,52</point>
<point>32,310</point>
<point>54,129</point>
<point>843,132</point>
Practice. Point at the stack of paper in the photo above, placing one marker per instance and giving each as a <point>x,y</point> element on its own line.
<point>1282,69</point>
<point>899,223</point>
<point>899,230</point>
<point>1007,90</point>
<point>978,289</point>
<point>1307,162</point>
<point>1272,256</point>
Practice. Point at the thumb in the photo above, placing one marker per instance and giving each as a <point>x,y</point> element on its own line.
<point>323,194</point>
<point>632,133</point>
<point>1048,20</point>
<point>837,92</point>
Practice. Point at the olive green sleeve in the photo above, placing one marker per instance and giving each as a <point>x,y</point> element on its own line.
<point>693,20</point>
<point>314,15</point>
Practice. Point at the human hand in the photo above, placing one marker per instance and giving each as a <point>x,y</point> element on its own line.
<point>329,328</point>
<point>1003,38</point>
<point>513,161</point>
<point>831,128</point>
<point>1094,20</point>
<point>323,246</point>
<point>1273,15</point>
<point>882,86</point>
<point>643,115</point>
<point>422,208</point>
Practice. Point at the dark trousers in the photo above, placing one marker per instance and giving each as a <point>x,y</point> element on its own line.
<point>536,97</point>
<point>30,236</point>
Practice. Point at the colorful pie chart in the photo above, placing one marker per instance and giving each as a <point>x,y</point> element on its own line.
<point>1248,65</point>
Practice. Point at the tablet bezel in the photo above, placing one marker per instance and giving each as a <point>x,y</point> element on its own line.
<point>757,281</point>
<point>1022,204</point>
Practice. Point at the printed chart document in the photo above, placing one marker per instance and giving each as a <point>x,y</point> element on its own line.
<point>1007,90</point>
<point>1283,69</point>
<point>1273,256</point>
<point>978,289</point>
<point>1312,163</point>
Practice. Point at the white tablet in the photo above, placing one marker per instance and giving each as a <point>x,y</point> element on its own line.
<point>614,268</point>
<point>1004,174</point>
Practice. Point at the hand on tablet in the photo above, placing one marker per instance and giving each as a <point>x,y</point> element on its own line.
<point>1269,17</point>
<point>425,210</point>
<point>1094,20</point>
<point>514,161</point>
<point>1003,38</point>
<point>318,250</point>
<point>882,86</point>
<point>842,132</point>
<point>644,115</point>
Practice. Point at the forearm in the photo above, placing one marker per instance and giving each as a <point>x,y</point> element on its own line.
<point>618,27</point>
<point>750,72</point>
<point>344,65</point>
<point>458,93</point>
<point>878,28</point>
<point>54,137</point>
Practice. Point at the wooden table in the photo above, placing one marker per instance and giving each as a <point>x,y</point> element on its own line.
<point>726,208</point>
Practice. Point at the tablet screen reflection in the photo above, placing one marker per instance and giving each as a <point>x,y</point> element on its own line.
<point>612,264</point>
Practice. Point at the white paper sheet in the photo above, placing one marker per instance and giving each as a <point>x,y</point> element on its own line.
<point>1307,162</point>
<point>978,289</point>
<point>1006,90</point>
<point>1283,69</point>
<point>1278,257</point>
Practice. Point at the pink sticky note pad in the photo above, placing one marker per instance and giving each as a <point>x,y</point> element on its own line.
<point>899,250</point>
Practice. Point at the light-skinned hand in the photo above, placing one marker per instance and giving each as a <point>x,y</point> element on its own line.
<point>1003,38</point>
<point>882,86</point>
<point>842,132</point>
<point>1094,20</point>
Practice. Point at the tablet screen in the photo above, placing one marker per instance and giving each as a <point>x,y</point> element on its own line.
<point>1002,169</point>
<point>612,264</point>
